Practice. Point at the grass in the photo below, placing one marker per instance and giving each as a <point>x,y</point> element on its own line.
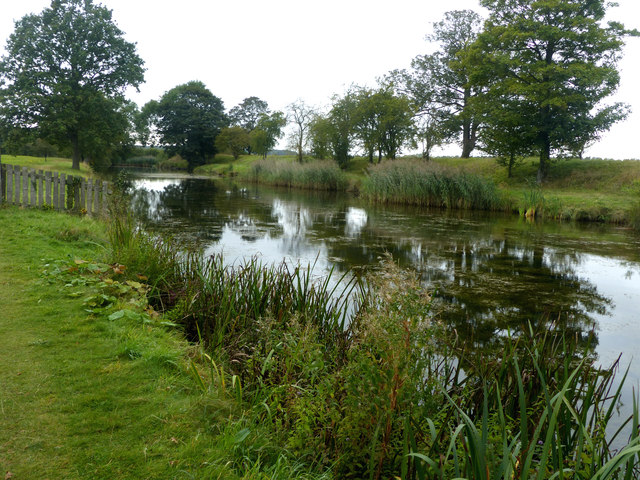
<point>54,164</point>
<point>430,185</point>
<point>95,395</point>
<point>316,175</point>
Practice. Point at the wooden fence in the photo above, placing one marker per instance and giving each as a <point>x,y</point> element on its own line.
<point>30,188</point>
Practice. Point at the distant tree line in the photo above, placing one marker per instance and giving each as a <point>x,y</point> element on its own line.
<point>528,80</point>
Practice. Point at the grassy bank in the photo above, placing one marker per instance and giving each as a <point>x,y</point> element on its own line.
<point>53,164</point>
<point>93,384</point>
<point>583,190</point>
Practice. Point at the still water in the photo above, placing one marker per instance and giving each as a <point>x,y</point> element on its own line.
<point>490,273</point>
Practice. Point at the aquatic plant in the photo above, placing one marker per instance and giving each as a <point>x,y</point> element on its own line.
<point>315,175</point>
<point>429,184</point>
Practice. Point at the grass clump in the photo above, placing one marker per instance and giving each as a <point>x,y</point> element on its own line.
<point>315,175</point>
<point>429,185</point>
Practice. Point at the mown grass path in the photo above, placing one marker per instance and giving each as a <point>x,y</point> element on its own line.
<point>82,397</point>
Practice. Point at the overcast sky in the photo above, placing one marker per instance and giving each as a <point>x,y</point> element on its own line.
<point>283,50</point>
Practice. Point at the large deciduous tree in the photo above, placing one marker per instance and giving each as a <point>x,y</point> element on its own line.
<point>187,120</point>
<point>554,62</point>
<point>64,70</point>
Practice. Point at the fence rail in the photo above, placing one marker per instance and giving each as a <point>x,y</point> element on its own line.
<point>30,188</point>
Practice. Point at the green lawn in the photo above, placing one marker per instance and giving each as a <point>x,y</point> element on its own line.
<point>82,396</point>
<point>54,164</point>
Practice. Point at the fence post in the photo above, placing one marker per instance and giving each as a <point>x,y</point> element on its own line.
<point>9,172</point>
<point>105,191</point>
<point>77,183</point>
<point>17,185</point>
<point>62,191</point>
<point>47,183</point>
<point>25,187</point>
<point>56,195</point>
<point>3,182</point>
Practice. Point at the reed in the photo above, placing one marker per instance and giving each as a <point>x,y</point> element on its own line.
<point>315,175</point>
<point>429,185</point>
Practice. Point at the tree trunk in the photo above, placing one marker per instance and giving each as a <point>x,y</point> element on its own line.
<point>545,155</point>
<point>469,129</point>
<point>76,151</point>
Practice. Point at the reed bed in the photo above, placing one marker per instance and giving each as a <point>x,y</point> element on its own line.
<point>315,175</point>
<point>429,184</point>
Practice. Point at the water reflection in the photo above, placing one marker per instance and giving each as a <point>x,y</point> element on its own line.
<point>491,273</point>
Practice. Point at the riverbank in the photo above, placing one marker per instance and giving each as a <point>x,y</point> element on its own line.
<point>588,190</point>
<point>594,190</point>
<point>286,388</point>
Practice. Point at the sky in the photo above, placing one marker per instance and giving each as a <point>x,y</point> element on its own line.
<point>285,50</point>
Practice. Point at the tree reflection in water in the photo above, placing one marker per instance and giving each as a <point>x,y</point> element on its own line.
<point>491,274</point>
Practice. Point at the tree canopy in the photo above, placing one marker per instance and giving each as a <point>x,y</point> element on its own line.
<point>553,62</point>
<point>64,75</point>
<point>248,112</point>
<point>268,130</point>
<point>233,140</point>
<point>187,119</point>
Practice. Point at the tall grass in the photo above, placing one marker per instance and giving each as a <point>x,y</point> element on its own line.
<point>429,184</point>
<point>315,175</point>
<point>382,389</point>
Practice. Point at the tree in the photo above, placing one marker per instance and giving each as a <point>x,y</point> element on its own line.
<point>366,122</point>
<point>320,133</point>
<point>59,64</point>
<point>248,113</point>
<point>395,122</point>
<point>382,121</point>
<point>269,129</point>
<point>505,133</point>
<point>188,118</point>
<point>429,131</point>
<point>441,80</point>
<point>301,115</point>
<point>233,140</point>
<point>556,62</point>
<point>342,118</point>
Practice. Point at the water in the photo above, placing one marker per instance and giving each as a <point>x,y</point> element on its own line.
<point>491,273</point>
